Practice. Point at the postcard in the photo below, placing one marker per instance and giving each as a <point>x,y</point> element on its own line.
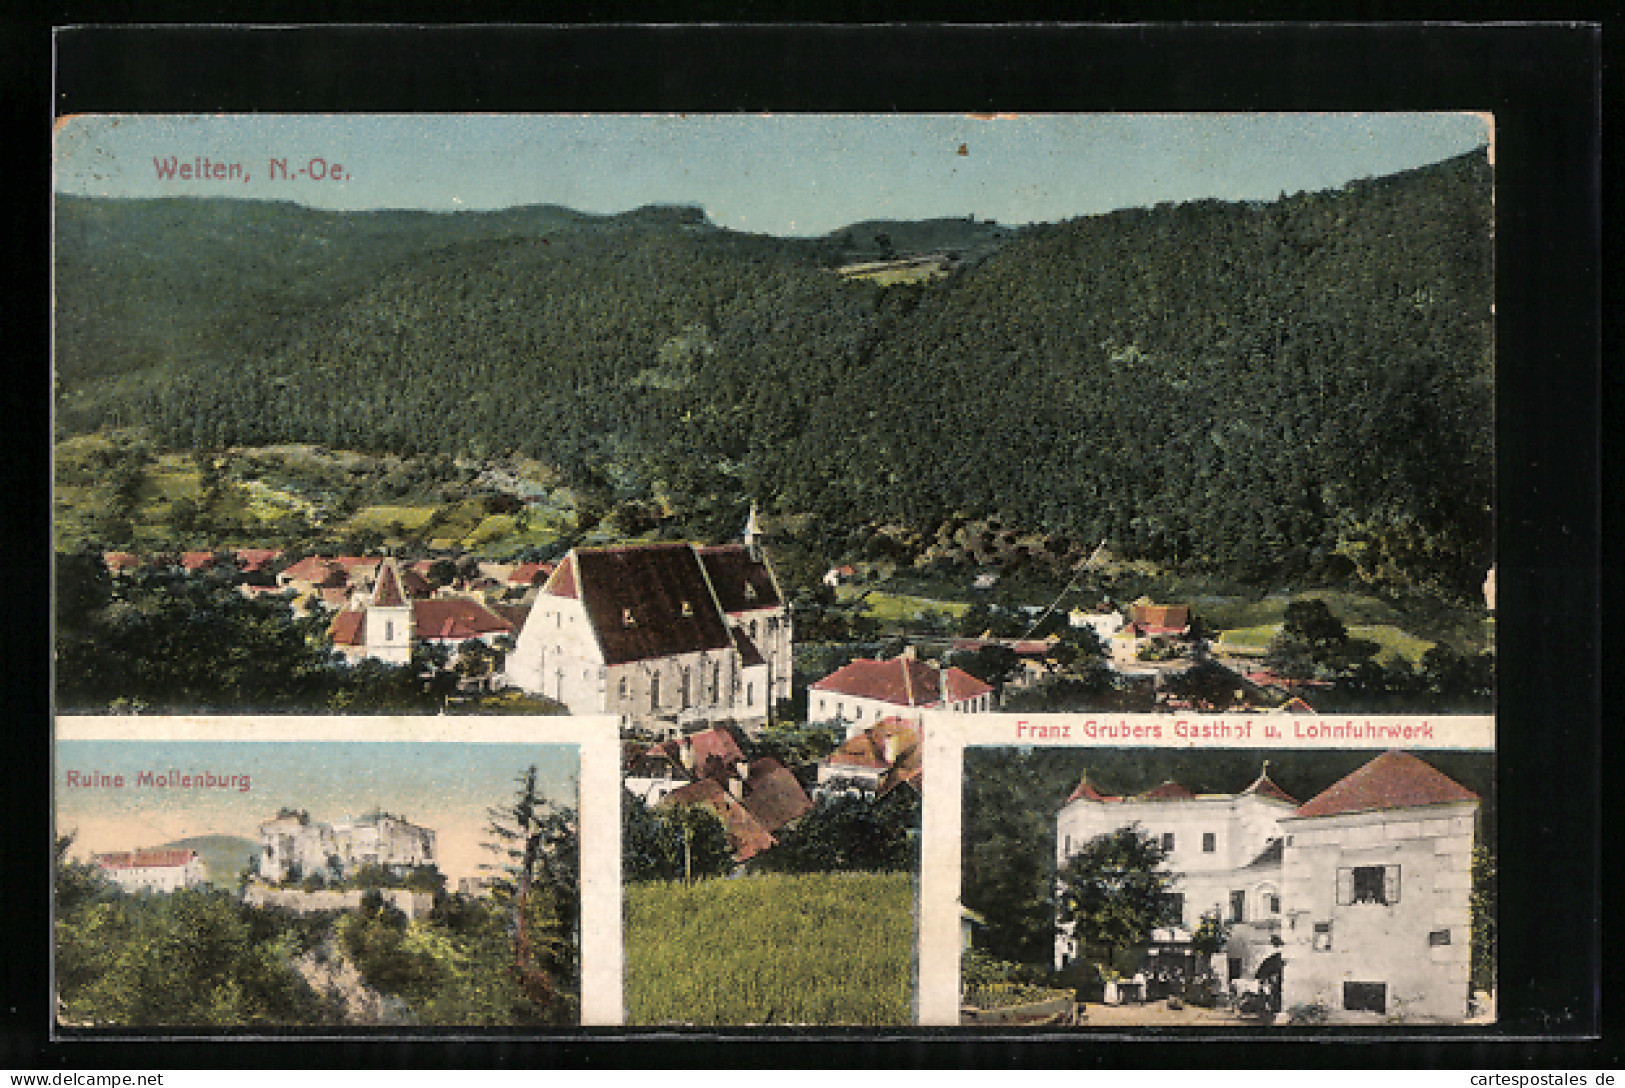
<point>690,490</point>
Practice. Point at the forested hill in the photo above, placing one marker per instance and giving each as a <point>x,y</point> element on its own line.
<point>1302,386</point>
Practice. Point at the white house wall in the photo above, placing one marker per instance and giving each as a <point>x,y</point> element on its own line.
<point>1395,944</point>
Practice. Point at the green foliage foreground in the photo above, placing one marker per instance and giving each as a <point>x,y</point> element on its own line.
<point>833,948</point>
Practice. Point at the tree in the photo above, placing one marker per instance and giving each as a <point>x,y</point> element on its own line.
<point>994,664</point>
<point>851,833</point>
<point>672,842</point>
<point>1113,892</point>
<point>1314,643</point>
<point>539,878</point>
<point>1482,908</point>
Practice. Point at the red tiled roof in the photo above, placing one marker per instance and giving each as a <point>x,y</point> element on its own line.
<point>414,584</point>
<point>774,795</point>
<point>716,752</point>
<point>1394,779</point>
<point>1168,791</point>
<point>528,574</point>
<point>1297,705</point>
<point>513,613</point>
<point>1161,619</point>
<point>119,562</point>
<point>868,748</point>
<point>746,835</point>
<point>349,628</point>
<point>901,681</point>
<point>313,569</point>
<point>145,859</point>
<point>334,596</point>
<point>1264,786</point>
<point>562,582</point>
<point>909,768</point>
<point>742,584</point>
<point>388,593</point>
<point>197,560</point>
<point>646,601</point>
<point>960,685</point>
<point>456,618</point>
<point>255,559</point>
<point>1086,791</point>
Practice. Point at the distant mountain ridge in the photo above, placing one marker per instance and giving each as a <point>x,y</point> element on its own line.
<point>1299,387</point>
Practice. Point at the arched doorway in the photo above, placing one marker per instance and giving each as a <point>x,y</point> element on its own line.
<point>1269,980</point>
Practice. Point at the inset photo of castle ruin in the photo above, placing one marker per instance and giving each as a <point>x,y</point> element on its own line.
<point>216,884</point>
<point>1228,889</point>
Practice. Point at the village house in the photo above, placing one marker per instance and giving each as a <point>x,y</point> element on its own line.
<point>153,870</point>
<point>670,637</point>
<point>291,845</point>
<point>864,691</point>
<point>1105,620</point>
<point>386,622</point>
<point>1148,623</point>
<point>1355,902</point>
<point>752,798</point>
<point>875,761</point>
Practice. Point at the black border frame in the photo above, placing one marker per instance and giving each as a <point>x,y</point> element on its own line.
<point>1543,83</point>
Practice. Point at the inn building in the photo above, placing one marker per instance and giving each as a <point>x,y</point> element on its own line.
<point>1356,902</point>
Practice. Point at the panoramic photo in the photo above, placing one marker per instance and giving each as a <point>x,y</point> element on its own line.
<point>759,438</point>
<point>255,884</point>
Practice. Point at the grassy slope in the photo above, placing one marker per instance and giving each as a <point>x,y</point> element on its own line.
<point>803,949</point>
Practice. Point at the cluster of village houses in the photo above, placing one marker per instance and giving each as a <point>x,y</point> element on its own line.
<point>1355,902</point>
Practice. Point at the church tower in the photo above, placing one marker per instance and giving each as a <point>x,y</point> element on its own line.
<point>389,618</point>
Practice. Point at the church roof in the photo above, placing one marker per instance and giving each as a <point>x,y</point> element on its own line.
<point>1394,779</point>
<point>388,593</point>
<point>644,601</point>
<point>742,584</point>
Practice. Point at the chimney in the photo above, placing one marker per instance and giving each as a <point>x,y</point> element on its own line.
<point>685,752</point>
<point>736,789</point>
<point>908,653</point>
<point>890,747</point>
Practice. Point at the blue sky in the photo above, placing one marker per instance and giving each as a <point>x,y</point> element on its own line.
<point>780,174</point>
<point>447,787</point>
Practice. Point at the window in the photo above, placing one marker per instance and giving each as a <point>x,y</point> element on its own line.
<point>750,694</point>
<point>683,689</point>
<point>1210,842</point>
<point>1368,884</point>
<point>1438,938</point>
<point>1323,937</point>
<point>389,630</point>
<point>623,687</point>
<point>1274,902</point>
<point>688,610</point>
<point>654,692</point>
<point>716,683</point>
<point>626,618</point>
<point>1365,996</point>
<point>1176,906</point>
<point>1238,906</point>
<point>1167,842</point>
<point>1066,850</point>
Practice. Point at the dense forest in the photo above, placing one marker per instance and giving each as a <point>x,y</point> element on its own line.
<point>1293,389</point>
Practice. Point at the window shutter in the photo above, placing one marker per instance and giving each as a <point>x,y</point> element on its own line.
<point>1345,887</point>
<point>1390,884</point>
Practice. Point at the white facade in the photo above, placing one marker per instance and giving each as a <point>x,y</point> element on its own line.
<point>291,843</point>
<point>154,870</point>
<point>1357,902</point>
<point>1378,913</point>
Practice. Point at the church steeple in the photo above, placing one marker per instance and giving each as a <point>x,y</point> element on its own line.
<point>753,534</point>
